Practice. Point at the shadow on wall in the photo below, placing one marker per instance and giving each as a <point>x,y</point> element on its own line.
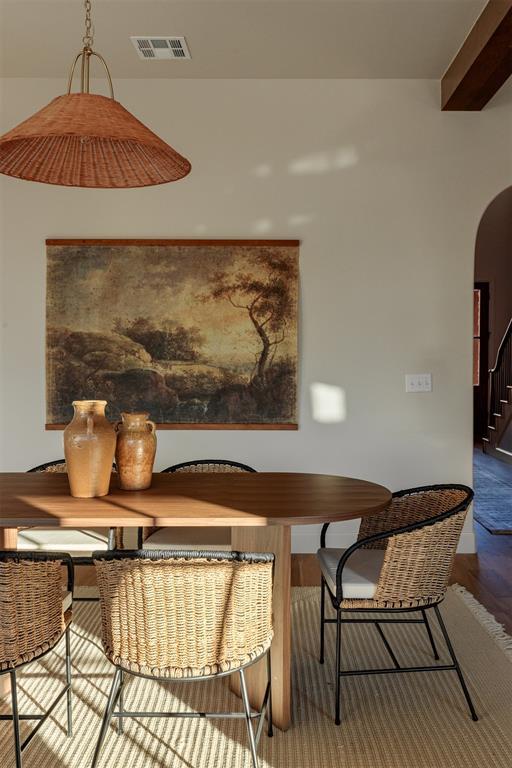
<point>324,162</point>
<point>313,164</point>
<point>328,403</point>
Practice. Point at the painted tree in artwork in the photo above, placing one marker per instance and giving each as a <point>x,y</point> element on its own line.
<point>267,295</point>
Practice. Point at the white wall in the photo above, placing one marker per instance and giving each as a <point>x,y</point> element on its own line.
<point>384,191</point>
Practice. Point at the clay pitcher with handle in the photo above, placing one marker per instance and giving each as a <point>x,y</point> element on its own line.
<point>135,451</point>
<point>89,447</point>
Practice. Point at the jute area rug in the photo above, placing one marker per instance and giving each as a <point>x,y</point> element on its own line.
<point>398,721</point>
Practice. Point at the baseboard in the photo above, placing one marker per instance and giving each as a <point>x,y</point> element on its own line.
<point>467,543</point>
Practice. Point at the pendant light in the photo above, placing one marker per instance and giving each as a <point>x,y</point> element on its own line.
<point>87,140</point>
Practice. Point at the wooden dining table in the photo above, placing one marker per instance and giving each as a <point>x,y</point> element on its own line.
<point>260,508</point>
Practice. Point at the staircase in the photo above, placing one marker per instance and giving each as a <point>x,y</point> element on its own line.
<point>498,442</point>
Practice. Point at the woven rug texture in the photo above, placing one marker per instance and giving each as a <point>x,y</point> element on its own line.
<point>389,721</point>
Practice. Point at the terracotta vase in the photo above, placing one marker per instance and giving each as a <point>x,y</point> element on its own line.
<point>135,451</point>
<point>89,446</point>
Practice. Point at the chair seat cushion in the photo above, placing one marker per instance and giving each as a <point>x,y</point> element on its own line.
<point>360,574</point>
<point>190,538</point>
<point>66,600</point>
<point>76,542</point>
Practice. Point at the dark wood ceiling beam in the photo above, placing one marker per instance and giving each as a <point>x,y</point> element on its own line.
<point>483,63</point>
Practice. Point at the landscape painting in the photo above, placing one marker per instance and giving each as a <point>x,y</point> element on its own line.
<point>198,333</point>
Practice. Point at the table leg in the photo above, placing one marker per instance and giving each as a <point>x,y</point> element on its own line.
<point>8,540</point>
<point>276,539</point>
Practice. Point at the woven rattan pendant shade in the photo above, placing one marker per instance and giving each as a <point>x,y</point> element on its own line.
<point>88,140</point>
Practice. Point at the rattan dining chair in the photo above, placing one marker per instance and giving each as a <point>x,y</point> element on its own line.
<point>36,614</point>
<point>80,543</point>
<point>401,563</point>
<point>218,538</point>
<point>185,616</point>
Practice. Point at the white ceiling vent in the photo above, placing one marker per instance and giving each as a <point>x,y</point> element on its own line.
<point>160,47</point>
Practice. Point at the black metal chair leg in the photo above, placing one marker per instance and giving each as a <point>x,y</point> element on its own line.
<point>322,620</point>
<point>247,708</point>
<point>15,719</point>
<point>387,645</point>
<point>456,664</point>
<point>337,717</point>
<point>121,704</point>
<point>107,716</point>
<point>430,635</point>
<point>270,728</point>
<point>68,682</point>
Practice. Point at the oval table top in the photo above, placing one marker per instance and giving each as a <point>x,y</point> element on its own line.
<point>191,499</point>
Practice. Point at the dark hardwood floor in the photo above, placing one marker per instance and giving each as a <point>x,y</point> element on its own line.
<point>488,574</point>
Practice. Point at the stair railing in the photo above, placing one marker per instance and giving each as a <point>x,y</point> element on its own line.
<point>500,377</point>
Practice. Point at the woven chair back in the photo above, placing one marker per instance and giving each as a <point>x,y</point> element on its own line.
<point>210,465</point>
<point>57,466</point>
<point>51,466</point>
<point>32,619</point>
<point>417,564</point>
<point>407,508</point>
<point>182,615</point>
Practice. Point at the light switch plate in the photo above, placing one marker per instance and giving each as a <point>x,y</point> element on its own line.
<point>418,382</point>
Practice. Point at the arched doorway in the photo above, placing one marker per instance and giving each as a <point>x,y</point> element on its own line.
<point>492,350</point>
<point>493,297</point>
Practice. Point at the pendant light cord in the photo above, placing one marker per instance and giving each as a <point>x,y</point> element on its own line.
<point>88,38</point>
<point>85,55</point>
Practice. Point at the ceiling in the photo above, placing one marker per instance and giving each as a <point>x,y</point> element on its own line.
<point>242,38</point>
